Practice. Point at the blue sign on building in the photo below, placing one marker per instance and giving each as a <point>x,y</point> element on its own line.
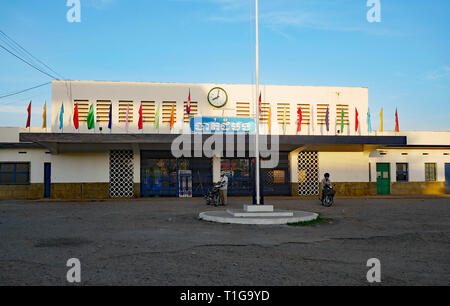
<point>211,125</point>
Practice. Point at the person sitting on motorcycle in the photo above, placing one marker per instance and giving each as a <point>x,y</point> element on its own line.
<point>326,185</point>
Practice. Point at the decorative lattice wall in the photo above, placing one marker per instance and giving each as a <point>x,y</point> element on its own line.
<point>121,169</point>
<point>308,173</point>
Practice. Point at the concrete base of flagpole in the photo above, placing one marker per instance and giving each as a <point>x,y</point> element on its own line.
<point>258,215</point>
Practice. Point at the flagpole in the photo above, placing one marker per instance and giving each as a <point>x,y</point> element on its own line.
<point>258,192</point>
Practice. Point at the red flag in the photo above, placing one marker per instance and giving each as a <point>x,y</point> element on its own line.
<point>357,120</point>
<point>29,116</point>
<point>140,123</point>
<point>75,117</point>
<point>260,103</point>
<point>397,125</point>
<point>300,118</point>
<point>188,107</point>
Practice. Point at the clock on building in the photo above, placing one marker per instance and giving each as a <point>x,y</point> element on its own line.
<point>217,97</point>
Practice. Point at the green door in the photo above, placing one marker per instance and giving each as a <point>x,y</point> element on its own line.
<point>383,179</point>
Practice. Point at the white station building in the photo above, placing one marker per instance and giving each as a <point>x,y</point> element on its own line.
<point>124,161</point>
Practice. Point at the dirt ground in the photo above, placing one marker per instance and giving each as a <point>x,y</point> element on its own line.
<point>161,242</point>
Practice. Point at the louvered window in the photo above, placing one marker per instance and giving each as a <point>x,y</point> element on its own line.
<point>306,113</point>
<point>103,110</point>
<point>339,109</point>
<point>167,111</point>
<point>194,111</point>
<point>322,114</point>
<point>243,109</point>
<point>264,118</point>
<point>83,109</point>
<point>148,111</point>
<point>124,107</point>
<point>283,108</point>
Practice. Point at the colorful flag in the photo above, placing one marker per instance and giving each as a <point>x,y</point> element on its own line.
<point>188,106</point>
<point>172,117</point>
<point>356,120</point>
<point>381,120</point>
<point>300,119</point>
<point>61,117</point>
<point>284,121</point>
<point>260,103</point>
<point>157,118</point>
<point>44,117</point>
<point>342,121</point>
<point>91,118</point>
<point>110,117</point>
<point>76,122</point>
<point>29,116</point>
<point>327,119</point>
<point>397,125</point>
<point>369,122</point>
<point>140,123</point>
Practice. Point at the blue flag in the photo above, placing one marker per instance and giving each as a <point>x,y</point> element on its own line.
<point>61,117</point>
<point>110,117</point>
<point>369,122</point>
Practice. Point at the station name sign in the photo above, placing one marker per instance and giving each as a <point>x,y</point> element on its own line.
<point>211,125</point>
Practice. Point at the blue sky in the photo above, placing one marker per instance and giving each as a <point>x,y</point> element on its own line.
<point>404,60</point>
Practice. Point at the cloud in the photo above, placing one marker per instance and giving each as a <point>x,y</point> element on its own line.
<point>438,74</point>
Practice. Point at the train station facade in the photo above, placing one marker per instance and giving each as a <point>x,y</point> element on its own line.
<point>118,159</point>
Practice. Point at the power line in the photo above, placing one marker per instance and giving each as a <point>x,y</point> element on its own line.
<point>31,65</point>
<point>32,56</point>
<point>25,90</point>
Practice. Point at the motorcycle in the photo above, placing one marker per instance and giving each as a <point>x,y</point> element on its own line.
<point>328,198</point>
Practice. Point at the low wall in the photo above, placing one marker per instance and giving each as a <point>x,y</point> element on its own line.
<point>30,191</point>
<point>417,188</point>
<point>345,189</point>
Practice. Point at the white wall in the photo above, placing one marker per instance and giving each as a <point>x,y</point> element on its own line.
<point>68,91</point>
<point>342,166</point>
<point>37,158</point>
<point>416,162</point>
<point>80,168</point>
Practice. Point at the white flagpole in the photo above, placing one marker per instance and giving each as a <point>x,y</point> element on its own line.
<point>258,191</point>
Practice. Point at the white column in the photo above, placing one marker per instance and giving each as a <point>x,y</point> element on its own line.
<point>216,168</point>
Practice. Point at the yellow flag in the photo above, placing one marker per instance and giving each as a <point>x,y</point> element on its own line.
<point>269,119</point>
<point>44,117</point>
<point>381,120</point>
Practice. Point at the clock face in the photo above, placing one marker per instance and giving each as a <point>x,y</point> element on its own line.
<point>218,97</point>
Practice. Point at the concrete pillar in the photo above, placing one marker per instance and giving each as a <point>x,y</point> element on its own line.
<point>216,168</point>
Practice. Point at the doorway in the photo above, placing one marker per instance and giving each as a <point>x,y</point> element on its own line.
<point>383,179</point>
<point>447,178</point>
<point>47,180</point>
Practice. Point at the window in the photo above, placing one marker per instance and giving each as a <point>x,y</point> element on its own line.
<point>265,112</point>
<point>126,107</point>
<point>322,114</point>
<point>306,113</point>
<point>243,109</point>
<point>148,111</point>
<point>284,111</point>
<point>194,111</point>
<point>339,109</point>
<point>103,107</point>
<point>14,173</point>
<point>430,172</point>
<point>167,107</point>
<point>402,172</point>
<point>83,109</point>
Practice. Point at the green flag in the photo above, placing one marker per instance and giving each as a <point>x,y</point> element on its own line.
<point>342,121</point>
<point>157,118</point>
<point>91,118</point>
